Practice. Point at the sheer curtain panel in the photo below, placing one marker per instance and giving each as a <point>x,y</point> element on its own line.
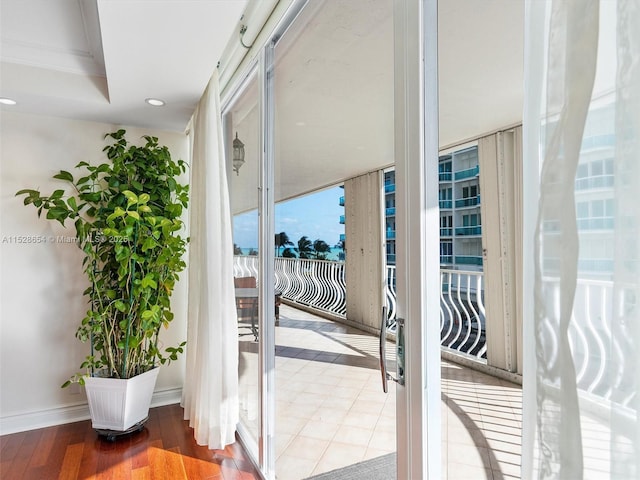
<point>210,393</point>
<point>582,240</point>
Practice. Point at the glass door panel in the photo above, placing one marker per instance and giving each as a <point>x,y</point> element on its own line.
<point>242,140</point>
<point>333,108</point>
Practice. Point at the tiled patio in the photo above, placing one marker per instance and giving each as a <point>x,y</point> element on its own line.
<point>331,411</point>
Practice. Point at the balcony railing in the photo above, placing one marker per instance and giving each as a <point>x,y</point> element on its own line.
<point>321,285</point>
<point>469,259</point>
<point>446,203</point>
<point>474,230</point>
<point>468,173</point>
<point>598,338</point>
<point>462,313</point>
<point>596,223</point>
<point>390,212</point>
<point>390,188</point>
<point>468,202</point>
<point>445,176</point>
<point>598,342</point>
<point>600,181</point>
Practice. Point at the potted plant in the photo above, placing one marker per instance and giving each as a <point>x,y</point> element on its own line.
<point>127,218</point>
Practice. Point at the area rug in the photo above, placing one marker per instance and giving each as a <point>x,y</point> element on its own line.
<point>379,468</point>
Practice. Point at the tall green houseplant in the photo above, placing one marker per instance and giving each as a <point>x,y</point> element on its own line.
<point>127,218</point>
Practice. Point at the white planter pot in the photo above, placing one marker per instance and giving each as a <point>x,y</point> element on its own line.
<point>117,404</point>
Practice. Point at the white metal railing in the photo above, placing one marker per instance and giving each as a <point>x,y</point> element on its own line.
<point>599,344</point>
<point>390,293</point>
<point>321,284</point>
<point>598,348</point>
<point>462,313</point>
<point>316,283</point>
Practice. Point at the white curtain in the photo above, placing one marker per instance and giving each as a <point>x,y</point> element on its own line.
<point>210,393</point>
<point>582,236</point>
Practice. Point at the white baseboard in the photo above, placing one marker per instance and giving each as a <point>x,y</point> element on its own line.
<point>71,413</point>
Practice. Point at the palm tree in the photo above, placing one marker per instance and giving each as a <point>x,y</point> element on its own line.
<point>305,247</point>
<point>282,240</point>
<point>288,253</point>
<point>236,249</point>
<point>321,248</point>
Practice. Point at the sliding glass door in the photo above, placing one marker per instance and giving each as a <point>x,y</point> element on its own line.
<point>327,102</point>
<point>242,126</point>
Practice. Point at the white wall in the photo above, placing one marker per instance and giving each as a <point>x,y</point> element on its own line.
<point>41,300</point>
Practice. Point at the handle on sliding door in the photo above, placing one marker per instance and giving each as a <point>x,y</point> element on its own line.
<point>383,350</point>
<point>399,350</point>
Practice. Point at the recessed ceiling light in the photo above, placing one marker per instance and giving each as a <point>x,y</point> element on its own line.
<point>7,101</point>
<point>300,124</point>
<point>156,102</point>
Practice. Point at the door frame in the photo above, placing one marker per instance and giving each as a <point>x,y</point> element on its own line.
<point>418,402</point>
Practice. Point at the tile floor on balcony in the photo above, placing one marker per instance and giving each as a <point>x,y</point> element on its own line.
<point>331,411</point>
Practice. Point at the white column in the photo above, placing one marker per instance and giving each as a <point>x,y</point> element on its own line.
<point>500,159</point>
<point>365,272</point>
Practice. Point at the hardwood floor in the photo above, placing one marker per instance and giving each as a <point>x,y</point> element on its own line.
<point>165,449</point>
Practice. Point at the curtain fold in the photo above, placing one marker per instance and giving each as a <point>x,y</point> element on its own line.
<point>210,392</point>
<point>582,130</point>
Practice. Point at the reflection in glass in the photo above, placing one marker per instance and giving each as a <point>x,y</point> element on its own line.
<point>242,126</point>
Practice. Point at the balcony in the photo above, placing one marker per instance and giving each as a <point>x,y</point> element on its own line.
<point>597,223</point>
<point>446,232</point>
<point>468,231</point>
<point>446,204</point>
<point>341,201</point>
<point>446,259</point>
<point>324,366</point>
<point>390,188</point>
<point>468,202</point>
<point>342,219</point>
<point>468,173</point>
<point>596,182</point>
<point>390,212</point>
<point>390,234</point>
<point>598,141</point>
<point>445,176</point>
<point>468,260</point>
<point>330,409</point>
<point>320,286</point>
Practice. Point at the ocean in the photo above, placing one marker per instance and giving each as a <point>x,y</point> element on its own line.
<point>335,253</point>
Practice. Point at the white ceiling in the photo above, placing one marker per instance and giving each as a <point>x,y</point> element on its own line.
<point>99,59</point>
<point>334,89</point>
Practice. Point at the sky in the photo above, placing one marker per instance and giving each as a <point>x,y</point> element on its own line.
<point>316,216</point>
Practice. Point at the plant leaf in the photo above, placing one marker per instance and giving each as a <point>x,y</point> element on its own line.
<point>64,175</point>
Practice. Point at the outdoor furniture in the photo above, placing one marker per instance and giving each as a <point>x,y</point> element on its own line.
<point>247,306</point>
<point>247,302</point>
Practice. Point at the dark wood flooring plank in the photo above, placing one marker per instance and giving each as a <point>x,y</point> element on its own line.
<point>10,445</point>
<point>71,462</point>
<point>142,473</point>
<point>165,449</point>
<point>20,462</point>
<point>175,464</point>
<point>156,460</point>
<point>43,449</point>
